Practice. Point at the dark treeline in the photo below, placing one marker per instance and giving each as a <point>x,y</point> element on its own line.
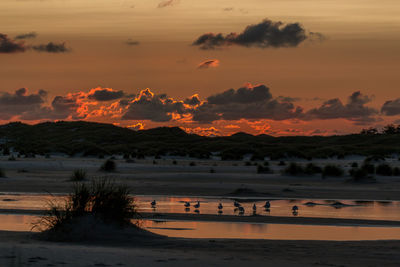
<point>97,139</point>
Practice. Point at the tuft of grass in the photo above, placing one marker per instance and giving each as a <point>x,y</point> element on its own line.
<point>384,170</point>
<point>12,158</point>
<point>102,199</point>
<point>109,166</point>
<point>78,175</point>
<point>192,163</point>
<point>332,170</point>
<point>212,170</point>
<point>263,169</point>
<point>174,162</point>
<point>358,174</point>
<point>2,173</point>
<point>294,169</point>
<point>312,169</point>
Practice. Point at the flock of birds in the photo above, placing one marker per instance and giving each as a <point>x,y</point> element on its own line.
<point>237,205</point>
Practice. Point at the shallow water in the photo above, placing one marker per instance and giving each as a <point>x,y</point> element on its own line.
<point>191,229</point>
<point>371,210</point>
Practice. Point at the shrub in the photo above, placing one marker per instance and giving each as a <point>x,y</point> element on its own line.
<point>12,158</point>
<point>247,163</point>
<point>312,169</point>
<point>174,162</point>
<point>2,173</point>
<point>281,163</point>
<point>78,175</point>
<point>332,170</point>
<point>212,170</point>
<point>368,167</point>
<point>294,169</point>
<point>354,165</point>
<point>263,169</point>
<point>154,162</point>
<point>396,171</point>
<point>384,169</point>
<point>103,199</point>
<point>192,163</point>
<point>358,174</point>
<point>266,163</point>
<point>109,166</point>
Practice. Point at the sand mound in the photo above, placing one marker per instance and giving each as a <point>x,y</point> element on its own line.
<point>94,230</point>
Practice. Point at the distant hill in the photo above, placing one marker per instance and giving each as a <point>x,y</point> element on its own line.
<point>96,139</point>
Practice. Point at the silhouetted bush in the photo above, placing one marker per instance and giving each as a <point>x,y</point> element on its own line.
<point>266,163</point>
<point>294,169</point>
<point>263,169</point>
<point>354,165</point>
<point>247,163</point>
<point>212,170</point>
<point>2,173</point>
<point>384,169</point>
<point>312,169</point>
<point>358,174</point>
<point>192,163</point>
<point>154,162</point>
<point>78,175</point>
<point>109,166</point>
<point>174,162</point>
<point>281,163</point>
<point>12,158</point>
<point>332,170</point>
<point>396,171</point>
<point>368,167</point>
<point>103,199</point>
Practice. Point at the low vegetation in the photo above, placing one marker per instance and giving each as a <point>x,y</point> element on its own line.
<point>2,173</point>
<point>109,166</point>
<point>78,175</point>
<point>102,199</point>
<point>332,171</point>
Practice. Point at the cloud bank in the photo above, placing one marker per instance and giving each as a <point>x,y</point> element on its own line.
<point>266,34</point>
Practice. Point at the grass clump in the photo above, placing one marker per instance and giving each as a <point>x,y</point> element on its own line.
<point>294,169</point>
<point>263,169</point>
<point>102,200</point>
<point>384,170</point>
<point>2,173</point>
<point>78,175</point>
<point>109,166</point>
<point>192,164</point>
<point>332,170</point>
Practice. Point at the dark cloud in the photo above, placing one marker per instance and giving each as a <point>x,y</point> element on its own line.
<point>132,42</point>
<point>208,64</point>
<point>158,108</point>
<point>10,46</point>
<point>14,104</point>
<point>391,107</point>
<point>29,35</point>
<point>105,94</point>
<point>245,103</point>
<point>193,100</point>
<point>51,48</point>
<point>354,110</point>
<point>167,3</point>
<point>264,35</point>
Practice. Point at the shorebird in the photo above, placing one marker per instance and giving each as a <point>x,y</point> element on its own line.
<point>187,204</point>
<point>254,208</point>
<point>241,210</point>
<point>196,206</point>
<point>295,210</point>
<point>220,207</point>
<point>153,203</point>
<point>236,204</point>
<point>267,205</point>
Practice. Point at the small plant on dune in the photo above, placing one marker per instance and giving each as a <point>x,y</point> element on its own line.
<point>103,199</point>
<point>212,170</point>
<point>354,165</point>
<point>312,169</point>
<point>174,162</point>
<point>192,163</point>
<point>2,173</point>
<point>12,158</point>
<point>359,174</point>
<point>384,169</point>
<point>294,169</point>
<point>78,175</point>
<point>109,166</point>
<point>332,170</point>
<point>281,163</point>
<point>263,169</point>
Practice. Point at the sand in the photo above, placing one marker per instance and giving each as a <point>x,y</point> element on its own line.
<point>51,175</point>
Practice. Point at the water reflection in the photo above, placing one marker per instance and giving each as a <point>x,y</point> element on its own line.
<point>194,229</point>
<point>349,209</point>
<point>270,231</point>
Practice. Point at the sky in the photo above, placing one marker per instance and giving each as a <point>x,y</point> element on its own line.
<point>278,67</point>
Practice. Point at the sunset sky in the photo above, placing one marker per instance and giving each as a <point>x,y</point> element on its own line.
<point>290,67</point>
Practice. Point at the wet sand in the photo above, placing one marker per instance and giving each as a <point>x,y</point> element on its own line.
<point>22,249</point>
